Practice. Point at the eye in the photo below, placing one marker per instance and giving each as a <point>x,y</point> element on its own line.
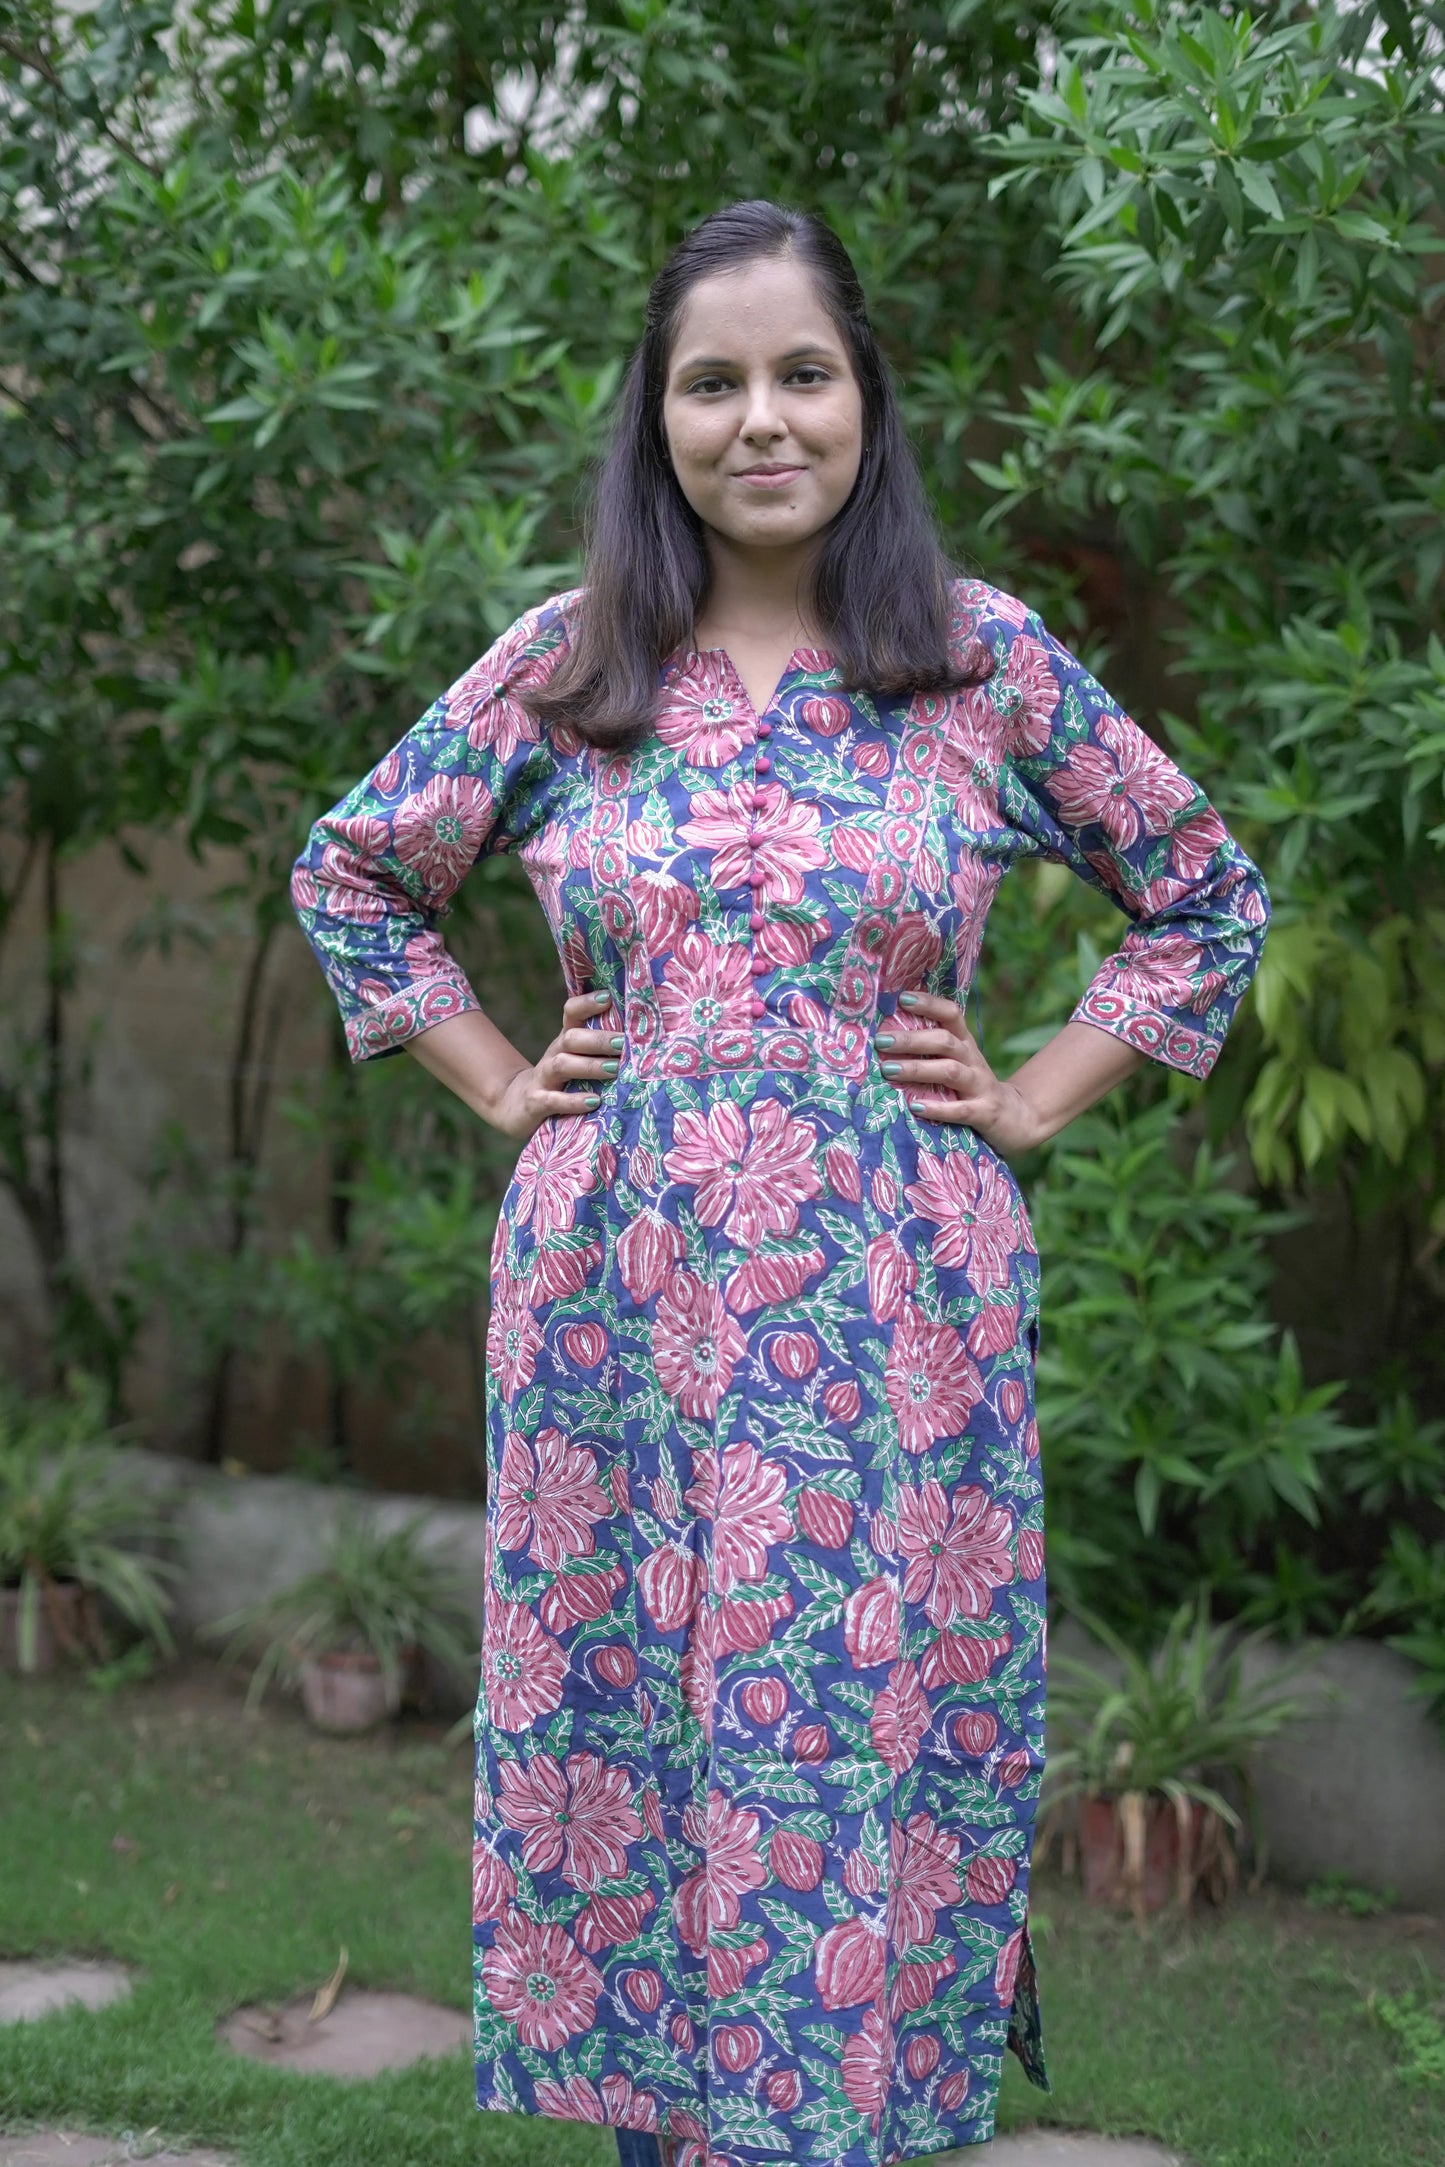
<point>810,372</point>
<point>709,384</point>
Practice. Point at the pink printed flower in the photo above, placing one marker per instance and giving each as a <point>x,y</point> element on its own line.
<point>825,716</point>
<point>774,1277</point>
<point>787,942</point>
<point>958,1552</point>
<point>668,1580</point>
<point>1120,780</point>
<point>1194,845</point>
<point>994,1329</point>
<point>627,2106</point>
<point>562,1268</point>
<point>923,1859</point>
<point>892,1273</point>
<point>484,702</point>
<point>780,839</point>
<point>706,985</point>
<point>539,1980</point>
<point>931,1380</point>
<point>973,886</point>
<point>1158,973</point>
<point>899,1718</point>
<point>867,2065</point>
<point>513,1335</point>
<point>607,1918</point>
<point>350,872</point>
<point>749,1514</point>
<point>1028,692</point>
<point>548,1496</point>
<point>439,830</point>
<point>970,1203</point>
<point>751,1174</point>
<point>554,1168</point>
<point>494,1885</point>
<point>577,2100</point>
<point>913,950</point>
<point>648,1249</point>
<point>743,1621</point>
<point>853,848</point>
<point>700,715</point>
<point>851,1962</point>
<point>733,1864</point>
<point>664,907</point>
<point>695,1344</point>
<point>522,1667</point>
<point>872,1624</point>
<point>577,1596</point>
<point>577,1815</point>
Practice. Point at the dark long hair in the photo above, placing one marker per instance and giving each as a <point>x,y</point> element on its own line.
<point>879,590</point>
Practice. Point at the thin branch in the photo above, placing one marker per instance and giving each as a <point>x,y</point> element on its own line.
<point>47,74</point>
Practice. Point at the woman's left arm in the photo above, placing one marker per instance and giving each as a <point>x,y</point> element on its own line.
<point>1081,783</point>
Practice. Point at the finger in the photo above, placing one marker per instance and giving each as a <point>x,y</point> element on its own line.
<point>936,1007</point>
<point>556,1068</point>
<point>947,1075</point>
<point>579,1008</point>
<point>546,1103</point>
<point>923,1045</point>
<point>946,1110</point>
<point>589,1044</point>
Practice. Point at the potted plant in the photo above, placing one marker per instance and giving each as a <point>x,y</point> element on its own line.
<point>1146,1743</point>
<point>346,1635</point>
<point>71,1533</point>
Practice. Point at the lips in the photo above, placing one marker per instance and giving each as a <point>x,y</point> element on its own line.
<point>768,477</point>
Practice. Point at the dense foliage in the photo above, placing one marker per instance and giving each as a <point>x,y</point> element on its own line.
<point>309,320</point>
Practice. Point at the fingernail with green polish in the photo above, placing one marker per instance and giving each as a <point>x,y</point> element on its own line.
<point>885,1038</point>
<point>619,1043</point>
<point>908,1000</point>
<point>609,1068</point>
<point>891,1068</point>
<point>590,1098</point>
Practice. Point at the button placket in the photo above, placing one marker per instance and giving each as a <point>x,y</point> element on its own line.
<point>762,766</point>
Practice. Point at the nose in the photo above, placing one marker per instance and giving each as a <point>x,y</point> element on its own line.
<point>762,423</point>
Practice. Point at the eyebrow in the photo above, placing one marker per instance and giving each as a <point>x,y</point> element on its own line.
<point>715,361</point>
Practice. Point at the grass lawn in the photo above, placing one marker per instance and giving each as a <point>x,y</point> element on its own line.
<point>229,1858</point>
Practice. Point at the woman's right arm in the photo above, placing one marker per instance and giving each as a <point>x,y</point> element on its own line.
<point>473,1058</point>
<point>380,870</point>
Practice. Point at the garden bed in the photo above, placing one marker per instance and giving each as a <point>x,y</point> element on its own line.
<point>229,1858</point>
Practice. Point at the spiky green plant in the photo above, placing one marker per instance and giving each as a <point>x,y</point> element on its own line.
<point>1169,1720</point>
<point>376,1590</point>
<point>66,1515</point>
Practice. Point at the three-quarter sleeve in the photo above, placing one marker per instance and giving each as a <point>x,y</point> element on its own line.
<point>1083,784</point>
<point>380,870</point>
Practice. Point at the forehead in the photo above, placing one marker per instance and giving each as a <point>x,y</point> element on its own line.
<point>770,306</point>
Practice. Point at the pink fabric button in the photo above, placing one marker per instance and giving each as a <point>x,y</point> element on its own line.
<point>756,877</point>
<point>757,921</point>
<point>757,1007</point>
<point>765,729</point>
<point>760,967</point>
<point>762,763</point>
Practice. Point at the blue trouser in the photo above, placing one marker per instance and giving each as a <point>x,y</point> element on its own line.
<point>638,2148</point>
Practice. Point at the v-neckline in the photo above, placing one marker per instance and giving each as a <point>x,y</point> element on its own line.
<point>723,655</point>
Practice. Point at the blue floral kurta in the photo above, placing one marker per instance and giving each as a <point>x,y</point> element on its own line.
<point>760,1725</point>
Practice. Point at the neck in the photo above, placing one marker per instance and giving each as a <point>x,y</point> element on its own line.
<point>757,591</point>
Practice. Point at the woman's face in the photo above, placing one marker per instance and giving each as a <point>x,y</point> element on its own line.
<point>762,411</point>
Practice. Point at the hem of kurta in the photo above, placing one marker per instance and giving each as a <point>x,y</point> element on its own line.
<point>981,2130</point>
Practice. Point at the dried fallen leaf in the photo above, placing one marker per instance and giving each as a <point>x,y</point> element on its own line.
<point>268,2027</point>
<point>124,1847</point>
<point>172,1891</point>
<point>325,2000</point>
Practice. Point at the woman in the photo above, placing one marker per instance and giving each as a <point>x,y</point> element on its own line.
<point>760,1724</point>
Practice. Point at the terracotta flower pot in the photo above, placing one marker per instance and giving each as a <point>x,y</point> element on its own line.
<point>1141,1853</point>
<point>63,1622</point>
<point>346,1691</point>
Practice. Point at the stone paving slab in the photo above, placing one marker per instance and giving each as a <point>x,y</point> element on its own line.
<point>365,2032</point>
<point>60,2148</point>
<point>33,1989</point>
